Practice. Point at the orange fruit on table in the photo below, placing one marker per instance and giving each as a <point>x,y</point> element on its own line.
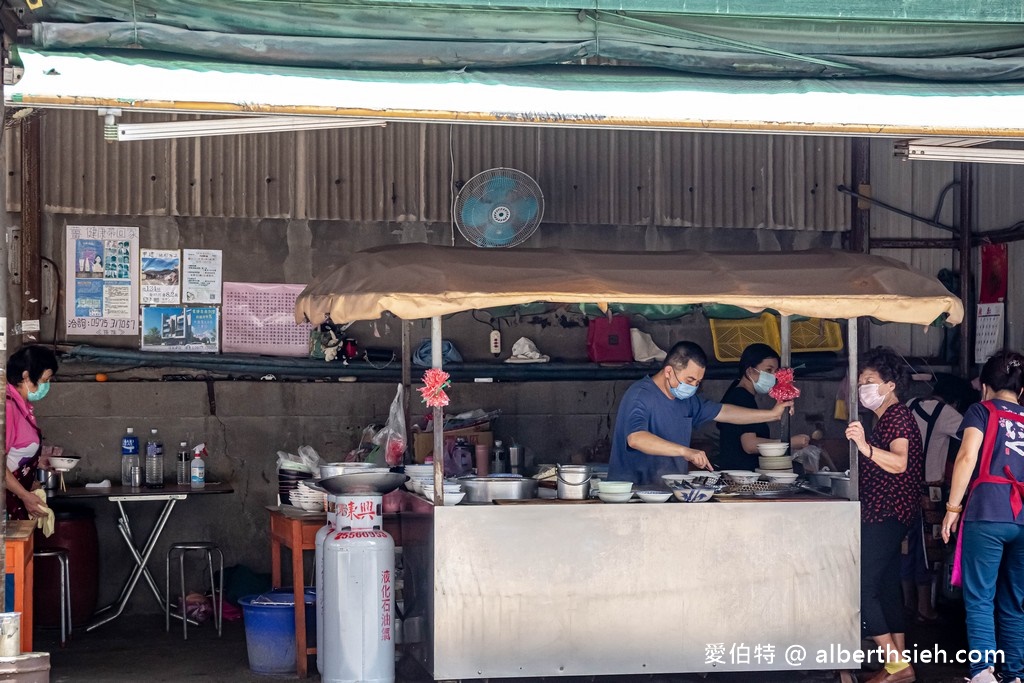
<point>100,377</point>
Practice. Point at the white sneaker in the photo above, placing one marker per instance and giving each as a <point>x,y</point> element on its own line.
<point>986,676</point>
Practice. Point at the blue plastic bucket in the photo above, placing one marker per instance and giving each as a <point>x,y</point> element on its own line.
<point>270,629</point>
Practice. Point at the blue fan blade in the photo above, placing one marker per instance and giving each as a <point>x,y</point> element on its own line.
<point>498,187</point>
<point>499,234</point>
<point>475,214</point>
<point>524,209</point>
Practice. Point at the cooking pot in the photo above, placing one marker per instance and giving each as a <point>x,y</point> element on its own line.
<point>489,489</point>
<point>841,487</point>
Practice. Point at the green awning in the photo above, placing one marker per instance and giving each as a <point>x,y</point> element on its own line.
<point>604,97</point>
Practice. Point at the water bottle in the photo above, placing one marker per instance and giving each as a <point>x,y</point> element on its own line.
<point>184,468</point>
<point>129,456</point>
<point>154,461</point>
<point>198,472</point>
<point>499,459</point>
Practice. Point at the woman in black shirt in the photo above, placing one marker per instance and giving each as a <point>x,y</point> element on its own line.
<point>738,443</point>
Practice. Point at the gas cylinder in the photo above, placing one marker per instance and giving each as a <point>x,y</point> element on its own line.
<point>318,563</point>
<point>359,594</point>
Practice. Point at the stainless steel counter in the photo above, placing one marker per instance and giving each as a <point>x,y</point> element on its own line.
<point>542,590</point>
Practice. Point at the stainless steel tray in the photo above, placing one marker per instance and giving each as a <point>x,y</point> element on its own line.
<point>361,482</point>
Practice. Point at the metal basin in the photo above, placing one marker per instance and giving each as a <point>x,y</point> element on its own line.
<point>489,489</point>
<point>361,482</point>
<point>333,469</point>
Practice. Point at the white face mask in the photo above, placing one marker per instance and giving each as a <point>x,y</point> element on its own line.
<point>870,397</point>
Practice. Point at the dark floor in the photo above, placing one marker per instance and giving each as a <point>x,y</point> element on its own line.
<point>136,648</point>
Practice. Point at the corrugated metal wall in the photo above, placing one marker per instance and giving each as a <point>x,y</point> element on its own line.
<point>1000,205</point>
<point>914,187</point>
<point>404,172</point>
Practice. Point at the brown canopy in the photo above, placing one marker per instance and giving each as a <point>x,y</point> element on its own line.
<point>415,281</point>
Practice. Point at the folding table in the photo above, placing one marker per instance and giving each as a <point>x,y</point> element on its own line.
<point>169,496</point>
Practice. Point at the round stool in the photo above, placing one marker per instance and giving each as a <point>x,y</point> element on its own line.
<point>65,588</point>
<point>182,549</point>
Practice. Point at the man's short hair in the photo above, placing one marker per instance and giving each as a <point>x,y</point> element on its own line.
<point>684,352</point>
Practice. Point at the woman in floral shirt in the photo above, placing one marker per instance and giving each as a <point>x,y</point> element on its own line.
<point>891,467</point>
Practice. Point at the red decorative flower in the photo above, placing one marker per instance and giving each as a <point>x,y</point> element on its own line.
<point>784,389</point>
<point>435,381</point>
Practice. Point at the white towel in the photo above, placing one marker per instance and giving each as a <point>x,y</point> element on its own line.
<point>45,523</point>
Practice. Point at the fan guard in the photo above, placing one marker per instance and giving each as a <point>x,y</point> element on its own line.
<point>500,207</point>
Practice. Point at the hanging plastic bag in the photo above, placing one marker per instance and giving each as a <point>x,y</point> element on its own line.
<point>392,439</point>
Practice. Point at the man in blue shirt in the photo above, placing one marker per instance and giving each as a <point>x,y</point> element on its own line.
<point>658,414</point>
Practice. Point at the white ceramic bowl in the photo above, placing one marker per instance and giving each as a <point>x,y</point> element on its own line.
<point>64,463</point>
<point>449,498</point>
<point>781,477</point>
<point>616,487</point>
<point>772,448</point>
<point>742,476</point>
<point>622,497</point>
<point>654,496</point>
<point>698,495</point>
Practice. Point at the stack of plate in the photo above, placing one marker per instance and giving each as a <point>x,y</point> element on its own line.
<point>773,457</point>
<point>288,481</point>
<point>420,477</point>
<point>306,498</point>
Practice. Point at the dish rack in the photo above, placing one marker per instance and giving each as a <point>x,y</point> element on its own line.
<point>761,488</point>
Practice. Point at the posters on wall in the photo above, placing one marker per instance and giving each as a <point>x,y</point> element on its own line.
<point>193,329</point>
<point>161,276</point>
<point>201,277</point>
<point>260,318</point>
<point>102,275</point>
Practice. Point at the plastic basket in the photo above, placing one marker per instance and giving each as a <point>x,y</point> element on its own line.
<point>730,337</point>
<point>815,334</point>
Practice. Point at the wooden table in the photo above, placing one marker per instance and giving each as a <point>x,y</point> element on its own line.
<point>19,562</point>
<point>298,533</point>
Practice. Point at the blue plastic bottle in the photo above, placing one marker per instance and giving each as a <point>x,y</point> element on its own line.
<point>129,456</point>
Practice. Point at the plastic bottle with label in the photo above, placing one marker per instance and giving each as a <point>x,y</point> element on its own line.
<point>154,461</point>
<point>129,456</point>
<point>198,470</point>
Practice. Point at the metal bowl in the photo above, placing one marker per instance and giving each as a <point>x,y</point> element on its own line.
<point>361,482</point>
<point>489,489</point>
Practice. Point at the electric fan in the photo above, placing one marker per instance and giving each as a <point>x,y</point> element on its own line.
<point>500,207</point>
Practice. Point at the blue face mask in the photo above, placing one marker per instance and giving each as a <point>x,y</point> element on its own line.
<point>765,382</point>
<point>40,393</point>
<point>683,391</point>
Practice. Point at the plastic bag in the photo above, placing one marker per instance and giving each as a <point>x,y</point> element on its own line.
<point>307,460</point>
<point>809,457</point>
<point>392,439</point>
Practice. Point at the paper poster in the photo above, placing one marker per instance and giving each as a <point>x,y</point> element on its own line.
<point>202,276</point>
<point>260,318</point>
<point>101,266</point>
<point>180,328</point>
<point>988,338</point>
<point>161,276</point>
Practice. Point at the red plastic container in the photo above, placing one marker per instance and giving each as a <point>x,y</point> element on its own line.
<point>75,531</point>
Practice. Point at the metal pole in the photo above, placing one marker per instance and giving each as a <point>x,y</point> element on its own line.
<point>407,373</point>
<point>787,427</point>
<point>965,223</point>
<point>852,402</point>
<point>435,361</point>
<point>4,290</point>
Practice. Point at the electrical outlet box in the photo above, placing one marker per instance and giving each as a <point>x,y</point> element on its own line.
<point>495,342</point>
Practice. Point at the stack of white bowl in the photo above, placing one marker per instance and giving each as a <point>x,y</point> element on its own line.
<point>453,493</point>
<point>421,477</point>
<point>773,457</point>
<point>306,498</point>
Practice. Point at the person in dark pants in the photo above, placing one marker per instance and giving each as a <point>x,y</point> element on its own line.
<point>891,466</point>
<point>737,444</point>
<point>986,493</point>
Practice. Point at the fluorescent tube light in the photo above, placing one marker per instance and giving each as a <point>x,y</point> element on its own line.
<point>236,126</point>
<point>963,150</point>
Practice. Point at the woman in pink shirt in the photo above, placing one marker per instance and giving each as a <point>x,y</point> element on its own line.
<point>28,380</point>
